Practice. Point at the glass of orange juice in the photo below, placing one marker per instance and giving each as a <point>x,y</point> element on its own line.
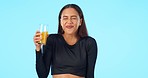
<point>44,34</point>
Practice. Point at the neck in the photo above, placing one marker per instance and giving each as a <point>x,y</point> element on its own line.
<point>70,36</point>
<point>71,39</point>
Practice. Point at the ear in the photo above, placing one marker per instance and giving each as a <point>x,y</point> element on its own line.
<point>80,22</point>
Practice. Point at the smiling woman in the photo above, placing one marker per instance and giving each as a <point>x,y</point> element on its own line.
<point>71,53</point>
<point>70,21</point>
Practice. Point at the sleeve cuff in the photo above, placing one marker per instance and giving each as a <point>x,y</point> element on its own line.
<point>37,51</point>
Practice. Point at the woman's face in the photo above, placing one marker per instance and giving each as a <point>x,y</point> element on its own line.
<point>70,21</point>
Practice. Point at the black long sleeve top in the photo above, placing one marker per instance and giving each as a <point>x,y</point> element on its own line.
<point>78,59</point>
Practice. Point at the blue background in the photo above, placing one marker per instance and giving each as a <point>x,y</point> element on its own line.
<point>120,28</point>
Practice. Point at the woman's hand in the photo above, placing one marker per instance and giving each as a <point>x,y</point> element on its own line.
<point>37,39</point>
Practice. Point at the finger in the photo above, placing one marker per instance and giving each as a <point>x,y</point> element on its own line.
<point>37,44</point>
<point>37,31</point>
<point>36,41</point>
<point>37,37</point>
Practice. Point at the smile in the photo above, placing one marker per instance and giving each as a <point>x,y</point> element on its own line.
<point>69,27</point>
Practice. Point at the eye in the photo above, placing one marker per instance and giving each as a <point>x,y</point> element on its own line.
<point>74,18</point>
<point>65,18</point>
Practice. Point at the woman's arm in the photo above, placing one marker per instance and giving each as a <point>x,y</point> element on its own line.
<point>43,60</point>
<point>91,57</point>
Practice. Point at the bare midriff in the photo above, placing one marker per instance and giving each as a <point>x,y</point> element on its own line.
<point>66,76</point>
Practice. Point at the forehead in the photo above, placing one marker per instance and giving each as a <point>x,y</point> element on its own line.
<point>69,12</point>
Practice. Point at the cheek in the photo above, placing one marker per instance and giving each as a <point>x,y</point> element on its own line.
<point>61,23</point>
<point>78,24</point>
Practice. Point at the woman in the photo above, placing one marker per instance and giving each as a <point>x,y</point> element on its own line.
<point>71,53</point>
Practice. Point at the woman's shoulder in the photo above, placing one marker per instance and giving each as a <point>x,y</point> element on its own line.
<point>53,35</point>
<point>89,39</point>
<point>90,43</point>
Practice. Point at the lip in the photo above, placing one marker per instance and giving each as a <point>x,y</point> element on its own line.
<point>69,26</point>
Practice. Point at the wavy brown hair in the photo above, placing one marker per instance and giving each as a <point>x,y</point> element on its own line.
<point>82,30</point>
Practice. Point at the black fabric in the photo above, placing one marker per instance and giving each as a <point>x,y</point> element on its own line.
<point>78,59</point>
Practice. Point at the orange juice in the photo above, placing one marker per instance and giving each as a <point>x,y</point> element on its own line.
<point>44,37</point>
<point>44,34</point>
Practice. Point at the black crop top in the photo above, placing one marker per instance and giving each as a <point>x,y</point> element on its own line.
<point>78,59</point>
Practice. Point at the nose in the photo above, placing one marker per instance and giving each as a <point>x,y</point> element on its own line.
<point>69,21</point>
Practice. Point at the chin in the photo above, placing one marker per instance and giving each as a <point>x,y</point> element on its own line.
<point>69,33</point>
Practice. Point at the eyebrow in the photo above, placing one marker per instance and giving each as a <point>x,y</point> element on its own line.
<point>64,16</point>
<point>73,16</point>
<point>70,16</point>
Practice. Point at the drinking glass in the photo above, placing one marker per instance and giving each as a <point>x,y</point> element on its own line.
<point>44,34</point>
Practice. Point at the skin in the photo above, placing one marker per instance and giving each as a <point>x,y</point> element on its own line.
<point>66,76</point>
<point>70,22</point>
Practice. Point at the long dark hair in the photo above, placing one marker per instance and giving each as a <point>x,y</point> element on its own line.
<point>82,30</point>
